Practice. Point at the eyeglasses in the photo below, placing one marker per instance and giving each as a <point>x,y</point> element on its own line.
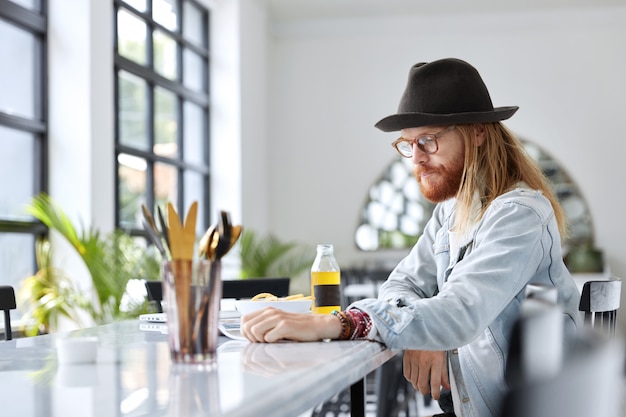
<point>427,143</point>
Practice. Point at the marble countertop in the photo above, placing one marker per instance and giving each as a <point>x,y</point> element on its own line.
<point>133,376</point>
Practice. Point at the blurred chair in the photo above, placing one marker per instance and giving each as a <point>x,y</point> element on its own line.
<point>154,290</point>
<point>249,287</point>
<point>238,289</point>
<point>7,303</point>
<point>600,301</point>
<point>547,380</point>
<point>589,383</point>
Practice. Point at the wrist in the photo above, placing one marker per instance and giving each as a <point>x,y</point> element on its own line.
<point>332,327</point>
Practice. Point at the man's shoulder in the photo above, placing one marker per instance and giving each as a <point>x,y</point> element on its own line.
<point>522,196</point>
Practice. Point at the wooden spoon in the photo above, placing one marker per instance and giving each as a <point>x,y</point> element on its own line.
<point>189,231</point>
<point>175,232</point>
<point>182,236</point>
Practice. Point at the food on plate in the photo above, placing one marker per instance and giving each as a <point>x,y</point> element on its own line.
<point>266,296</point>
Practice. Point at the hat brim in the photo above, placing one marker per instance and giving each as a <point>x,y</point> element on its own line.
<point>408,120</point>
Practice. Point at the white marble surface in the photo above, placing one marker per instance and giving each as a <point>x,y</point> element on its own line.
<point>133,376</point>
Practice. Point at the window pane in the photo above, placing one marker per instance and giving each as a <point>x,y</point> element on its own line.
<point>132,189</point>
<point>165,184</point>
<point>165,122</point>
<point>193,74</point>
<point>194,134</point>
<point>133,113</point>
<point>29,4</point>
<point>131,37</point>
<point>194,191</point>
<point>164,55</point>
<point>137,4</point>
<point>164,12</point>
<point>17,257</point>
<point>192,24</point>
<point>16,173</point>
<point>17,73</point>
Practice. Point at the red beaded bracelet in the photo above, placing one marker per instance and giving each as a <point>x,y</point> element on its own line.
<point>361,323</point>
<point>355,324</point>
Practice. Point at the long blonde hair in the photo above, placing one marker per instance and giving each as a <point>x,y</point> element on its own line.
<point>498,165</point>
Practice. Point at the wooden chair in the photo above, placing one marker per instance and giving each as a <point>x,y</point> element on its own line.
<point>7,303</point>
<point>238,289</point>
<point>600,301</point>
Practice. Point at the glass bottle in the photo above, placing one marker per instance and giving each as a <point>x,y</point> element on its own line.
<point>325,281</point>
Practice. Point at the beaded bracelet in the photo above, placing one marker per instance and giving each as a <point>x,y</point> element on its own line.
<point>355,324</point>
<point>346,324</point>
<point>361,323</point>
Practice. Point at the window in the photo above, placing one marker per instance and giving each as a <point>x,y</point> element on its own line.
<point>23,133</point>
<point>162,108</point>
<point>395,212</point>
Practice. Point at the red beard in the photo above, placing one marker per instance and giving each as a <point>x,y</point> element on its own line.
<point>442,183</point>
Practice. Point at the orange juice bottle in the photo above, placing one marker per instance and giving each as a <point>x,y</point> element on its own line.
<point>325,281</point>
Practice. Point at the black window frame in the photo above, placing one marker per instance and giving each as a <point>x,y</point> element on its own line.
<point>183,94</point>
<point>34,22</point>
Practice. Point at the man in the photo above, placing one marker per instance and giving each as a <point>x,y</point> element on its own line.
<point>451,304</point>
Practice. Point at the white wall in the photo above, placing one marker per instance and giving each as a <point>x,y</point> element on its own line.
<point>80,80</point>
<point>331,80</point>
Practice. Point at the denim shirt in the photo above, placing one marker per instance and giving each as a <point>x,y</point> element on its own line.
<point>468,305</point>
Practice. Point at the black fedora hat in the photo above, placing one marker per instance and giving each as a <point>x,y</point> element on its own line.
<point>444,92</point>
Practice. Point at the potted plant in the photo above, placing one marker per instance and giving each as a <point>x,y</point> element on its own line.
<point>112,261</point>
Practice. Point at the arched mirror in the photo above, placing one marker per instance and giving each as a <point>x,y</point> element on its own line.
<point>395,211</point>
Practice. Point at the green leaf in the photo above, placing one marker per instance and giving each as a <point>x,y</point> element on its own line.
<point>267,256</point>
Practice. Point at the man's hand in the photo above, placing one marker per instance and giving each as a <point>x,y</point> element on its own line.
<point>427,371</point>
<point>270,325</point>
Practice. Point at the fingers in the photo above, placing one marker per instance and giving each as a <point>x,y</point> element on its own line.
<point>435,379</point>
<point>427,371</point>
<point>260,326</point>
<point>272,325</point>
<point>445,380</point>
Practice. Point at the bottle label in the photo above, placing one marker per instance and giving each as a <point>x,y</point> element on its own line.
<point>327,295</point>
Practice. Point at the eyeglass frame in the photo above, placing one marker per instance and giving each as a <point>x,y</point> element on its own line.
<point>419,141</point>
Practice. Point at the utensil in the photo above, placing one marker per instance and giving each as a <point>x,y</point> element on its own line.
<point>225,232</point>
<point>164,227</point>
<point>218,244</point>
<point>153,231</point>
<point>208,243</point>
<point>182,235</point>
<point>148,216</point>
<point>235,234</point>
<point>154,237</point>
